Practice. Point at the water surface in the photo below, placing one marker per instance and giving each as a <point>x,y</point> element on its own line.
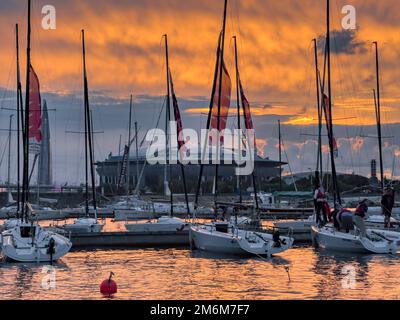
<point>182,274</point>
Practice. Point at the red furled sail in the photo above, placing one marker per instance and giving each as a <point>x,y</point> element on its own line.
<point>246,109</point>
<point>329,126</point>
<point>225,97</point>
<point>177,114</point>
<point>35,113</point>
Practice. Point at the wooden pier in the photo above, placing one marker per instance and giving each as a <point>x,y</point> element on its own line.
<point>130,240</point>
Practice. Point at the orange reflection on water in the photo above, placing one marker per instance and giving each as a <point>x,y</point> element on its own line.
<point>181,274</point>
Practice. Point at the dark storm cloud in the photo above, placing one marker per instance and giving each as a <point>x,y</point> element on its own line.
<point>343,42</point>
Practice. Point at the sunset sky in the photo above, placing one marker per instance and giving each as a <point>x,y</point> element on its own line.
<point>125,55</point>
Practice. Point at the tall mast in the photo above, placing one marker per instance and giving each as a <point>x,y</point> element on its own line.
<point>19,119</point>
<point>219,101</point>
<point>378,114</point>
<point>26,130</point>
<point>167,140</point>
<point>129,150</point>
<point>238,83</point>
<point>280,154</point>
<point>196,201</point>
<point>9,156</point>
<point>137,152</point>
<point>238,180</point>
<point>337,197</point>
<point>119,145</point>
<point>88,127</point>
<point>178,142</point>
<point>318,88</point>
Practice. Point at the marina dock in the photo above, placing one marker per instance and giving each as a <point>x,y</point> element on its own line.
<point>130,240</point>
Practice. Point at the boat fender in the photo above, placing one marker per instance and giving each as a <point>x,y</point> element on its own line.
<point>109,287</point>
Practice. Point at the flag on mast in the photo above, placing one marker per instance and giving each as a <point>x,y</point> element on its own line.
<point>35,113</point>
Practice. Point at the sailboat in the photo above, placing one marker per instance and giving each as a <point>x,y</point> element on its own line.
<point>168,223</point>
<point>328,237</point>
<point>227,237</point>
<point>28,241</point>
<point>301,229</point>
<point>87,224</point>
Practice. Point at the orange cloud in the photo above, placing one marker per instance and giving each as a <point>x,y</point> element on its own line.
<point>126,54</point>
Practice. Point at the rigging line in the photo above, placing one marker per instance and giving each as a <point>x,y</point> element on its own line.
<point>339,68</point>
<point>288,162</point>
<point>383,85</point>
<point>4,151</point>
<point>349,64</point>
<point>6,91</point>
<point>145,162</point>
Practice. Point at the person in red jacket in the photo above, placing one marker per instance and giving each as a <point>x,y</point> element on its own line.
<point>319,201</point>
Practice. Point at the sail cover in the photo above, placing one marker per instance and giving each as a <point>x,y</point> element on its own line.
<point>177,114</point>
<point>246,109</point>
<point>329,126</point>
<point>35,113</point>
<point>225,90</point>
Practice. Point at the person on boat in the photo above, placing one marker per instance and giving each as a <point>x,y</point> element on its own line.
<point>387,203</point>
<point>359,217</point>
<point>319,202</point>
<point>342,218</point>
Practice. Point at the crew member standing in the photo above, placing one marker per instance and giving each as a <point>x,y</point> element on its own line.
<point>387,205</point>
<point>319,202</point>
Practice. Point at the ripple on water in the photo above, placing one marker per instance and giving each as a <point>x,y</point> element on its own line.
<point>300,273</point>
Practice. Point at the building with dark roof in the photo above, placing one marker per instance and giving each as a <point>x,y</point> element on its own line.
<point>152,180</point>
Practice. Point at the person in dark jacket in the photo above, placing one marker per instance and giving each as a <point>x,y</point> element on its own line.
<point>387,205</point>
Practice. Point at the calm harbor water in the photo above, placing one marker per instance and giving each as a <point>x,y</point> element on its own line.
<point>182,274</point>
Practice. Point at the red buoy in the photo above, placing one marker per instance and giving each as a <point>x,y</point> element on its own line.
<point>109,287</point>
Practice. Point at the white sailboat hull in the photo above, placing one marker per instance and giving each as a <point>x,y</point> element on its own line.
<point>337,241</point>
<point>217,242</point>
<point>84,226</point>
<point>301,229</point>
<point>237,242</point>
<point>23,250</point>
<point>330,239</point>
<point>94,228</point>
<point>164,224</point>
